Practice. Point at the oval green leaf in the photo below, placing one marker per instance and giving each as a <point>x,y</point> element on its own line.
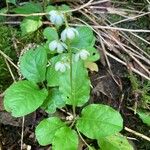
<point>23,97</point>
<point>28,8</point>
<point>65,139</point>
<point>99,121</point>
<point>50,33</point>
<point>145,116</point>
<point>85,39</point>
<point>46,130</point>
<point>115,142</point>
<point>33,65</point>
<point>53,101</point>
<point>80,85</point>
<point>29,25</point>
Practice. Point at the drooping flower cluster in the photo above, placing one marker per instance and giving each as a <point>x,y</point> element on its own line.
<point>58,46</point>
<point>62,65</point>
<point>68,34</point>
<point>56,17</point>
<point>83,54</point>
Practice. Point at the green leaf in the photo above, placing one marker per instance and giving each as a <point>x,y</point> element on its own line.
<point>115,142</point>
<point>145,116</point>
<point>53,101</point>
<point>29,25</point>
<point>94,54</point>
<point>85,39</point>
<point>99,121</point>
<point>50,8</point>
<point>46,130</point>
<point>11,1</point>
<point>52,75</point>
<point>80,85</point>
<point>65,139</point>
<point>65,8</point>
<point>28,8</point>
<point>23,97</point>
<point>50,33</point>
<point>33,64</point>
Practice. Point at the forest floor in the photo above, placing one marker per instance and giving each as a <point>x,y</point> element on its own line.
<point>120,84</point>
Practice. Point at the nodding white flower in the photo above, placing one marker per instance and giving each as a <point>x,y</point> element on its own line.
<point>58,46</point>
<point>61,66</point>
<point>83,54</point>
<point>69,33</point>
<point>56,17</point>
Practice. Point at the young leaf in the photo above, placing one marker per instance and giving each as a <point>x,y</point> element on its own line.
<point>53,101</point>
<point>115,142</point>
<point>28,8</point>
<point>145,116</point>
<point>33,64</point>
<point>94,55</point>
<point>29,25</point>
<point>23,97</point>
<point>99,121</point>
<point>85,38</point>
<point>50,8</point>
<point>65,139</point>
<point>91,66</point>
<point>50,34</point>
<point>46,130</point>
<point>80,85</point>
<point>65,8</point>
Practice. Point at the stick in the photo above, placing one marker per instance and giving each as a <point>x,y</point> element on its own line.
<point>137,134</point>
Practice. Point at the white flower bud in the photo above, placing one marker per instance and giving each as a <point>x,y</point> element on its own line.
<point>58,46</point>
<point>61,66</point>
<point>69,33</point>
<point>56,17</point>
<point>83,54</point>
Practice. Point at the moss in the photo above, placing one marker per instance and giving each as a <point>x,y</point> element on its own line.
<point>7,33</point>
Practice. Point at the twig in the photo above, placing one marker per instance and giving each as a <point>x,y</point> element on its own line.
<point>8,66</point>
<point>22,133</point>
<point>123,63</point>
<point>137,134</point>
<point>148,1</point>
<point>96,27</point>
<point>43,14</point>
<point>9,59</point>
<point>99,2</point>
<point>131,18</point>
<point>83,140</point>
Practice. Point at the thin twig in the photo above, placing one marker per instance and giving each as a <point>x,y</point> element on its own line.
<point>11,73</point>
<point>83,139</point>
<point>9,59</point>
<point>99,2</point>
<point>137,134</point>
<point>125,64</point>
<point>131,18</point>
<point>43,14</point>
<point>22,133</point>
